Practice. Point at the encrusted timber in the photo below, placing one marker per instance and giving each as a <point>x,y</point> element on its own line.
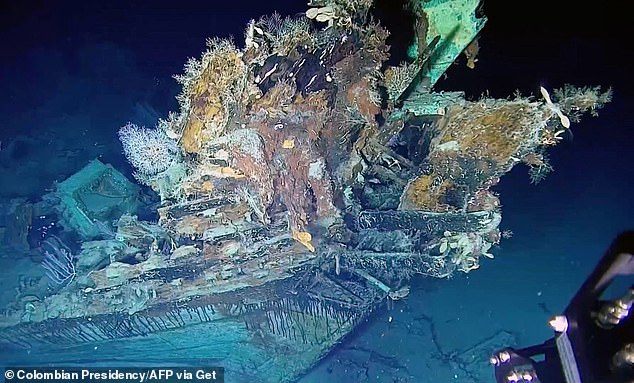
<point>170,215</point>
<point>173,212</point>
<point>428,104</point>
<point>396,255</point>
<point>406,263</point>
<point>426,222</point>
<point>283,308</point>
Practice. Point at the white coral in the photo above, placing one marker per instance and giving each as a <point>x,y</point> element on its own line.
<point>565,121</point>
<point>149,151</point>
<point>464,249</point>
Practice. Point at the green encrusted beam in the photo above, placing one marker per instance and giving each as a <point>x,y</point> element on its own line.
<point>456,25</point>
<point>422,104</point>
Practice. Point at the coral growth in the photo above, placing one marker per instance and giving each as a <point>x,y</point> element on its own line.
<point>478,142</point>
<point>213,88</point>
<point>150,151</point>
<point>423,193</point>
<point>304,127</point>
<point>491,129</point>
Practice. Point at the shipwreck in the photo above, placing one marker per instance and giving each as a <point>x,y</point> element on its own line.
<point>304,182</point>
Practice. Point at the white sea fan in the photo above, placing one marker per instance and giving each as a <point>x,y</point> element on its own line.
<point>149,151</point>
